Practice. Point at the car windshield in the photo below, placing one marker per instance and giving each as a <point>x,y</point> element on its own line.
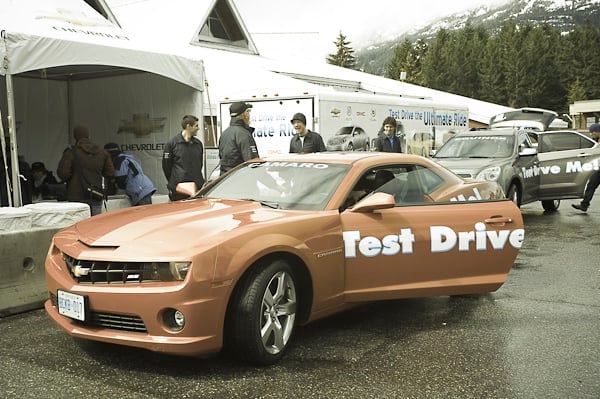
<point>477,147</point>
<point>281,185</point>
<point>344,130</point>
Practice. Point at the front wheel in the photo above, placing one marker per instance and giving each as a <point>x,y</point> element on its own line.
<point>551,205</point>
<point>262,315</point>
<point>514,194</point>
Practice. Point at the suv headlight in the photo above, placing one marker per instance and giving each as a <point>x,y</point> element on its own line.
<point>490,174</point>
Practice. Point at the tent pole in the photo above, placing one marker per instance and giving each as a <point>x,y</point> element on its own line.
<point>5,161</point>
<point>12,134</point>
<point>201,125</point>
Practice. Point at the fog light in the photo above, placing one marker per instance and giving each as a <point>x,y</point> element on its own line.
<point>174,319</point>
<point>179,319</point>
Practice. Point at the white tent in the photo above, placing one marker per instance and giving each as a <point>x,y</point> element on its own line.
<point>52,46</point>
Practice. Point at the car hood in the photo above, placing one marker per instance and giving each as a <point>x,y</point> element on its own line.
<point>181,224</point>
<point>468,166</point>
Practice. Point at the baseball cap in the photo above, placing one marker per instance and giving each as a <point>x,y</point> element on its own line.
<point>238,108</point>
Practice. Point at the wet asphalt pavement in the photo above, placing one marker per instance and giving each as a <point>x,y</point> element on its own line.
<point>538,336</point>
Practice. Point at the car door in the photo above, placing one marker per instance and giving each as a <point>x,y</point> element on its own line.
<point>360,138</point>
<point>565,166</point>
<point>524,167</point>
<point>429,249</point>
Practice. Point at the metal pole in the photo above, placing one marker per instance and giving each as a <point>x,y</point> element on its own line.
<point>12,135</point>
<point>5,161</point>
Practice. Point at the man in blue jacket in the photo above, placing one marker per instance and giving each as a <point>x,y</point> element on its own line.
<point>130,177</point>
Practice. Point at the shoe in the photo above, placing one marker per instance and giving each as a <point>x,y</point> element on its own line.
<point>579,207</point>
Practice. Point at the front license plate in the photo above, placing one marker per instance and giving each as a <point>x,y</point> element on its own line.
<point>72,305</point>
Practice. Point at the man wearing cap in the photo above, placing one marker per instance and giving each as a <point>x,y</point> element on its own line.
<point>305,140</point>
<point>83,167</point>
<point>236,144</point>
<point>183,158</point>
<point>594,181</point>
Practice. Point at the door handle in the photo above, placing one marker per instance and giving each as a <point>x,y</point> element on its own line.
<point>498,220</point>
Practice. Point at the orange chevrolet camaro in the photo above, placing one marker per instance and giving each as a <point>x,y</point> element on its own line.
<point>275,243</point>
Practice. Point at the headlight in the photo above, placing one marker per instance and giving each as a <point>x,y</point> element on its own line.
<point>491,174</point>
<point>179,269</point>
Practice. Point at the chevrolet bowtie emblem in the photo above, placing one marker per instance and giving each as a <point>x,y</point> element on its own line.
<point>79,271</point>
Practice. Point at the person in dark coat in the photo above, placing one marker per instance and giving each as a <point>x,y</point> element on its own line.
<point>236,144</point>
<point>183,158</point>
<point>305,140</point>
<point>25,179</point>
<point>594,181</point>
<point>84,166</point>
<point>130,177</point>
<point>387,141</point>
<point>42,177</point>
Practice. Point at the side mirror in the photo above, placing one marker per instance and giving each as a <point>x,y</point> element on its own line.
<point>432,152</point>
<point>374,202</point>
<point>187,188</point>
<point>527,152</point>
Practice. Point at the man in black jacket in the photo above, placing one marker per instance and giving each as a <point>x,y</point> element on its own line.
<point>305,141</point>
<point>387,141</point>
<point>236,144</point>
<point>183,158</point>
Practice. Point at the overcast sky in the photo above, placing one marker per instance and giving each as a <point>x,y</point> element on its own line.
<point>313,25</point>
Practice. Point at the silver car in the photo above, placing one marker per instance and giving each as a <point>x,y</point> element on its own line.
<point>349,138</point>
<point>529,165</point>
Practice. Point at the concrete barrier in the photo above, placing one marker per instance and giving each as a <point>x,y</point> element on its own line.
<point>23,249</point>
<point>25,237</point>
<point>22,275</point>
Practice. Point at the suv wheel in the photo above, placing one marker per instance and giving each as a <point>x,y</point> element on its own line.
<point>514,194</point>
<point>551,205</point>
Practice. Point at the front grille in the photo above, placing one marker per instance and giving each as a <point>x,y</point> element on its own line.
<point>465,175</point>
<point>112,321</point>
<point>102,272</point>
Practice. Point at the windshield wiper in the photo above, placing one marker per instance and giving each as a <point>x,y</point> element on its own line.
<point>269,204</point>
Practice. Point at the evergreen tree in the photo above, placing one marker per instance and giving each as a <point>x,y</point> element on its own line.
<point>407,58</point>
<point>344,56</point>
<point>576,92</point>
<point>435,71</point>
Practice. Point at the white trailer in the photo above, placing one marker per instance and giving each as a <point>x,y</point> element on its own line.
<point>350,121</point>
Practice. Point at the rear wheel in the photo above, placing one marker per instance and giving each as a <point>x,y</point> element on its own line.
<point>551,205</point>
<point>262,315</point>
<point>514,194</point>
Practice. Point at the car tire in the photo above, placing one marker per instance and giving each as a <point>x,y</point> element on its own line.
<point>349,147</point>
<point>262,315</point>
<point>514,194</point>
<point>551,205</point>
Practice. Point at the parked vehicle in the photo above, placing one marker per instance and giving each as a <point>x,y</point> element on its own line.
<point>529,165</point>
<point>275,243</point>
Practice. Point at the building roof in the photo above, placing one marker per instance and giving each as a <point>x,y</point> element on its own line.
<point>236,67</point>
